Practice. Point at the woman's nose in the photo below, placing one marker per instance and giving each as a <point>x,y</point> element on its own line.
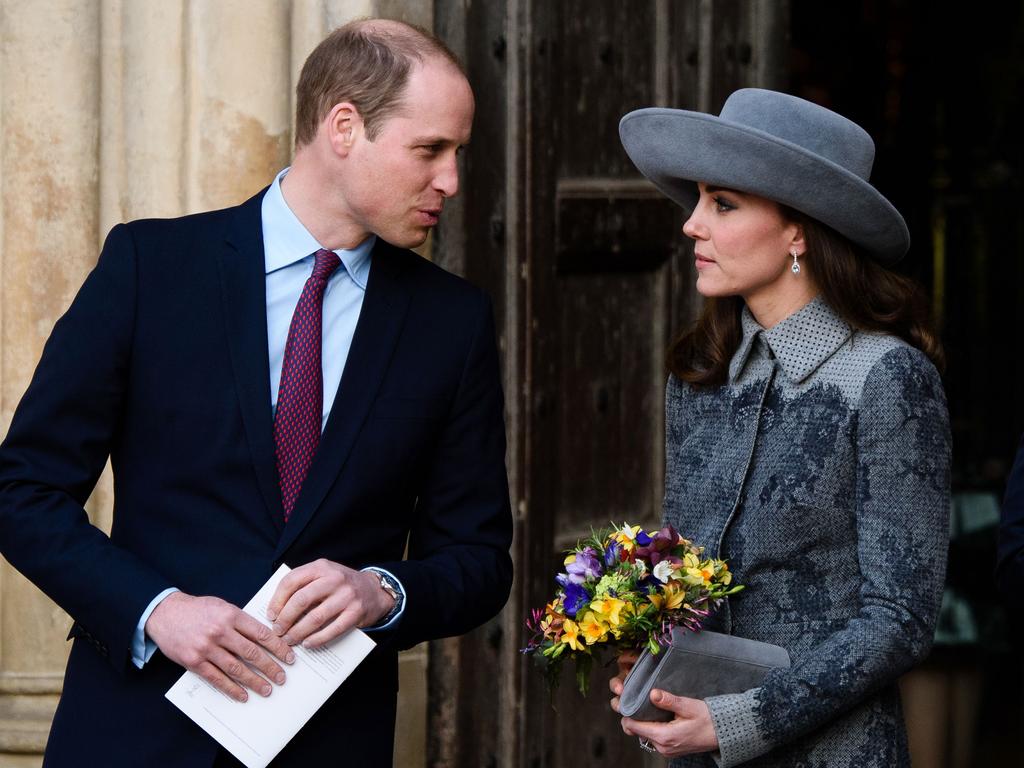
<point>692,228</point>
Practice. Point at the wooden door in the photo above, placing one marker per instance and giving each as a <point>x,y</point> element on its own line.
<point>591,277</point>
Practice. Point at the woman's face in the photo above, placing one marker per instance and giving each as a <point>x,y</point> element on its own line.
<point>743,247</point>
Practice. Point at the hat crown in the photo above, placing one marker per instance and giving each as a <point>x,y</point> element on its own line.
<point>805,124</point>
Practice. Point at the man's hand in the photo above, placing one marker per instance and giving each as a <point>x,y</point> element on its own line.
<point>219,642</point>
<point>322,600</point>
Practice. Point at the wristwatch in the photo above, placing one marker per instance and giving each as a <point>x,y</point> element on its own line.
<point>390,585</point>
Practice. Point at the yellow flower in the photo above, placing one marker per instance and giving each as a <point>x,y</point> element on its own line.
<point>594,631</point>
<point>626,536</point>
<point>669,599</point>
<point>725,575</point>
<point>697,576</point>
<point>697,573</point>
<point>571,635</point>
<point>609,609</point>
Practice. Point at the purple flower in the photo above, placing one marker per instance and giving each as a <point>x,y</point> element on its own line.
<point>611,554</point>
<point>649,584</point>
<point>658,546</point>
<point>575,598</point>
<point>584,566</point>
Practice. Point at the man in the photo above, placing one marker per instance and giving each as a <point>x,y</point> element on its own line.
<point>279,382</point>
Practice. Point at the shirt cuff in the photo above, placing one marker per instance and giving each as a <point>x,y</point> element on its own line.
<point>142,647</point>
<point>393,621</point>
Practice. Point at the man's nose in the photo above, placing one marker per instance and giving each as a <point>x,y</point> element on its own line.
<point>447,179</point>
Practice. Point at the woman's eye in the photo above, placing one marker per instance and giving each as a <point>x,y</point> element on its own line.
<point>721,204</point>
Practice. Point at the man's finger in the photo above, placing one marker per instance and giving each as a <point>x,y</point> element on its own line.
<point>293,581</point>
<point>337,607</point>
<point>303,602</point>
<point>262,635</point>
<point>345,621</point>
<point>241,673</point>
<point>215,677</point>
<point>252,655</point>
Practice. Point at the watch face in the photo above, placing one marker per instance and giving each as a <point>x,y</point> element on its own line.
<point>389,586</point>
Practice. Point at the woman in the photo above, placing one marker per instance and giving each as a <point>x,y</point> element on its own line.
<point>807,437</point>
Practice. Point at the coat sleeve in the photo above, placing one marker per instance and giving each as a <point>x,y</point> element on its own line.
<point>1010,567</point>
<point>61,435</point>
<point>458,573</point>
<point>902,508</point>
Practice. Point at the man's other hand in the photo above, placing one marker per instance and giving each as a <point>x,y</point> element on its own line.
<point>322,600</point>
<point>220,643</point>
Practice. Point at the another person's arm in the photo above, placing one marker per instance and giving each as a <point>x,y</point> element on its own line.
<point>1010,568</point>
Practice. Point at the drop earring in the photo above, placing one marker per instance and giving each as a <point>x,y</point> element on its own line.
<point>795,269</point>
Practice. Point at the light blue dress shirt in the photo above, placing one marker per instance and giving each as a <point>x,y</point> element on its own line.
<point>289,247</point>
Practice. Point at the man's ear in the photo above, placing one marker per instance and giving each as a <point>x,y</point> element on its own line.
<point>344,127</point>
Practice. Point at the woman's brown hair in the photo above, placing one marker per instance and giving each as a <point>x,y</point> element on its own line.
<point>866,295</point>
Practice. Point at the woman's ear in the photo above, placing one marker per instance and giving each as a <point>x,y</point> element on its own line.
<point>797,243</point>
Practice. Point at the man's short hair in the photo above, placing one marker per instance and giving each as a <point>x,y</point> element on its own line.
<point>366,63</point>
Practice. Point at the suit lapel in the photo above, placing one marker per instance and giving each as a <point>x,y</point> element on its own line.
<point>241,264</point>
<point>377,331</point>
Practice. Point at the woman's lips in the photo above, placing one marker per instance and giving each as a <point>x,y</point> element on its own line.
<point>703,261</point>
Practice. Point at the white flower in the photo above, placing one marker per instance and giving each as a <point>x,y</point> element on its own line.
<point>663,571</point>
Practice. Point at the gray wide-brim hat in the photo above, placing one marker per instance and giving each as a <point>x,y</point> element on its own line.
<point>777,146</point>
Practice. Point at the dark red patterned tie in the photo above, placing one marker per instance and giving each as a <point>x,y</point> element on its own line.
<point>300,396</point>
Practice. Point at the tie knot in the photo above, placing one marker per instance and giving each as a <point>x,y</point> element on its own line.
<point>326,263</point>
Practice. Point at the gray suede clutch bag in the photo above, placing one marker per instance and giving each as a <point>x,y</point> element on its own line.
<point>697,665</point>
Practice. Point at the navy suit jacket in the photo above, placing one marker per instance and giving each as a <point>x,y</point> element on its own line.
<point>161,364</point>
<point>1010,568</point>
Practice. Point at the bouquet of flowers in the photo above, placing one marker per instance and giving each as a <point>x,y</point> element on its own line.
<point>626,589</point>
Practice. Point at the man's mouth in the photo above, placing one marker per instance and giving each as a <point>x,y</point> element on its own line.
<point>430,216</point>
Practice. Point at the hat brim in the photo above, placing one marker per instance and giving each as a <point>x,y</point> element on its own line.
<point>676,148</point>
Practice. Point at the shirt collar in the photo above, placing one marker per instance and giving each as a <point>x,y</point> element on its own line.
<point>287,241</point>
<point>801,342</point>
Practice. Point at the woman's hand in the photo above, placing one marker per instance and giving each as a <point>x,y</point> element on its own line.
<point>626,661</point>
<point>689,731</point>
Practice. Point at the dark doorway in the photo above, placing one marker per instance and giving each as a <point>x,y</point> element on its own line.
<point>940,86</point>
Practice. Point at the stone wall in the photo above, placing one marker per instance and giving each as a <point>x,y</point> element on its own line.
<point>113,110</point>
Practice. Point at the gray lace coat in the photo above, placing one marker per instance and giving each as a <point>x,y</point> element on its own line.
<point>821,471</point>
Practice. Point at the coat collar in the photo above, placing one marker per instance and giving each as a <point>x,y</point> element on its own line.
<point>801,342</point>
<point>243,287</point>
<point>240,262</point>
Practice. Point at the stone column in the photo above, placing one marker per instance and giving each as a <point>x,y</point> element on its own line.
<point>49,170</point>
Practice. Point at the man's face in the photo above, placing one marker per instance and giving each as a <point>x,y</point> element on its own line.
<point>396,185</point>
